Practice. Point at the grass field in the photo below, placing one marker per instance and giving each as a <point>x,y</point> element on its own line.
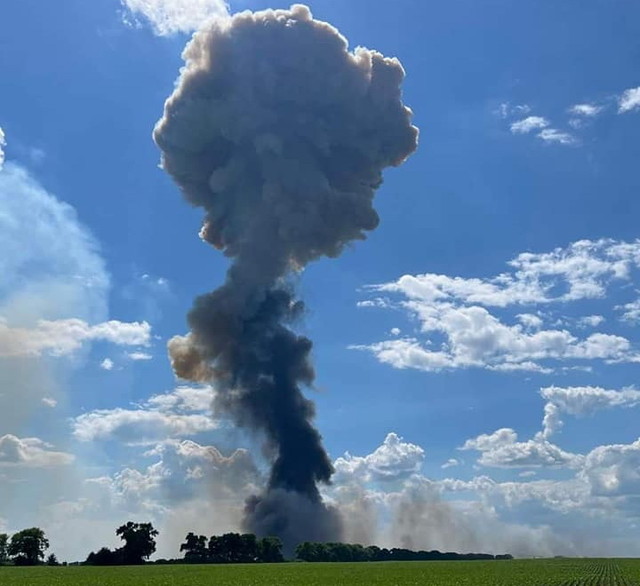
<point>557,572</point>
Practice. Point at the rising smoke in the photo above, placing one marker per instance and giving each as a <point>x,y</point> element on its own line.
<point>281,135</point>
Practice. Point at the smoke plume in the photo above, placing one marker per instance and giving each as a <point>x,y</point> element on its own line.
<point>281,135</point>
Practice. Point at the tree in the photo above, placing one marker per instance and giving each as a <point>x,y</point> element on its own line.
<point>139,541</point>
<point>195,548</point>
<point>104,557</point>
<point>52,560</point>
<point>270,550</point>
<point>4,551</point>
<point>27,547</point>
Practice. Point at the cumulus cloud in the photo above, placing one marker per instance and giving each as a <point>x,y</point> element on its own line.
<point>181,469</point>
<point>581,401</point>
<point>586,110</point>
<point>30,452</point>
<point>168,17</point>
<point>183,412</point>
<point>529,124</point>
<point>591,321</point>
<point>614,470</point>
<point>531,321</point>
<point>502,449</point>
<point>629,100</point>
<point>476,338</point>
<point>107,364</point>
<point>587,400</point>
<point>631,311</point>
<point>460,331</point>
<point>138,425</point>
<point>393,460</point>
<point>66,336</point>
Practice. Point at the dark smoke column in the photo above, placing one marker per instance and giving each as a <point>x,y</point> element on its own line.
<point>281,135</point>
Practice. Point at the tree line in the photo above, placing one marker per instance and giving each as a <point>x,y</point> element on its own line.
<point>350,552</point>
<point>28,547</point>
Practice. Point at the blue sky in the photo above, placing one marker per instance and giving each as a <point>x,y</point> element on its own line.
<point>476,356</point>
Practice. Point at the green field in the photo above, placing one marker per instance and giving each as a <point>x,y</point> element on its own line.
<point>561,572</point>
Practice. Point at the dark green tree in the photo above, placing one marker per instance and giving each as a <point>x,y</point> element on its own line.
<point>215,550</point>
<point>4,548</point>
<point>27,547</point>
<point>139,541</point>
<point>195,548</point>
<point>104,557</point>
<point>52,560</point>
<point>270,550</point>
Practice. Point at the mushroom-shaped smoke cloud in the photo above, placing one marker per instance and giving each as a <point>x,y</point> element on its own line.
<point>281,135</point>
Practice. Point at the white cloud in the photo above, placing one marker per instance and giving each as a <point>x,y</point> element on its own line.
<point>168,17</point>
<point>502,449</point>
<point>3,143</point>
<point>183,399</point>
<point>138,425</point>
<point>393,460</point>
<point>66,336</point>
<point>506,110</point>
<point>614,470</point>
<point>50,270</point>
<point>529,124</point>
<point>476,338</point>
<point>450,463</point>
<point>587,400</point>
<point>591,321</point>
<point>460,332</point>
<point>530,321</point>
<point>30,452</point>
<point>486,442</point>
<point>50,267</point>
<point>183,412</point>
<point>580,271</point>
<point>139,356</point>
<point>631,311</point>
<point>581,401</point>
<point>557,136</point>
<point>49,402</point>
<point>629,100</point>
<point>587,110</point>
<point>107,364</point>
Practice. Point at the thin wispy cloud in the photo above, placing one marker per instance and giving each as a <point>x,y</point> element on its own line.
<point>529,124</point>
<point>3,143</point>
<point>168,17</point>
<point>556,136</point>
<point>587,110</point>
<point>629,100</point>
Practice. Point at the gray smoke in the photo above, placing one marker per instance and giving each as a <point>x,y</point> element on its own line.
<point>281,135</point>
